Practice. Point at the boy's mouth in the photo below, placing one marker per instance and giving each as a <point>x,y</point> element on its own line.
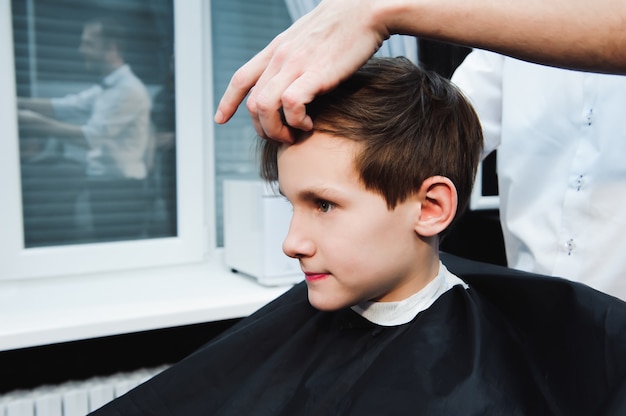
<point>310,277</point>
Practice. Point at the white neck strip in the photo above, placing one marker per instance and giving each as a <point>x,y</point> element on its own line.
<point>401,312</point>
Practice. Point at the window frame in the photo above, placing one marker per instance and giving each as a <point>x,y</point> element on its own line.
<point>195,168</point>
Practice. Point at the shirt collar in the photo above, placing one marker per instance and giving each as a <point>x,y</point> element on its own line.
<point>114,77</point>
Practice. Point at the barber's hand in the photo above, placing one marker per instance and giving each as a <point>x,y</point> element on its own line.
<point>311,57</point>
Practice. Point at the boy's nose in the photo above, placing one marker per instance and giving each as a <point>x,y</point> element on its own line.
<point>298,243</point>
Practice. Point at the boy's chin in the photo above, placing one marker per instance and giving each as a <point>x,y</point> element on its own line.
<point>327,303</point>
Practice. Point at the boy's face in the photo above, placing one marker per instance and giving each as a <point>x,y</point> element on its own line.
<point>351,247</point>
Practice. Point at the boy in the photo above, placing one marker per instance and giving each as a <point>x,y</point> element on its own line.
<point>386,328</point>
<point>374,185</point>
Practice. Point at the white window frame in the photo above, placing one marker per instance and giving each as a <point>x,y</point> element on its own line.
<point>195,168</point>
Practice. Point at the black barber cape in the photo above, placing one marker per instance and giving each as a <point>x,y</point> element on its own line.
<point>512,344</point>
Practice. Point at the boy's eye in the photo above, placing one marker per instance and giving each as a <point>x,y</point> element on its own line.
<point>324,206</point>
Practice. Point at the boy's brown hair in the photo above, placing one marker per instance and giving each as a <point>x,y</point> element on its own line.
<point>412,123</point>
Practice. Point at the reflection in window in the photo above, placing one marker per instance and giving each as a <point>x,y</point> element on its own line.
<point>95,87</point>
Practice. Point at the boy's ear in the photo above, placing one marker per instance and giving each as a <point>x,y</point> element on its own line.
<point>438,199</point>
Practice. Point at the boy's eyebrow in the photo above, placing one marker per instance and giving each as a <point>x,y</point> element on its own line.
<point>311,194</point>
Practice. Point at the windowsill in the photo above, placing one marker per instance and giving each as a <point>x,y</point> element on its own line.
<point>36,312</point>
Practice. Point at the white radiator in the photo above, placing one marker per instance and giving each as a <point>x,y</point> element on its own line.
<point>73,398</point>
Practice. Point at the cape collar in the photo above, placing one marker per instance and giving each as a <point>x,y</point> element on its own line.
<point>402,312</point>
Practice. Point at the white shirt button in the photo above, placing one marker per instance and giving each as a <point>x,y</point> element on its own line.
<point>579,182</point>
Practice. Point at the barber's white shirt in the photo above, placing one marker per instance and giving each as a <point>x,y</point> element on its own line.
<point>117,126</point>
<point>561,138</point>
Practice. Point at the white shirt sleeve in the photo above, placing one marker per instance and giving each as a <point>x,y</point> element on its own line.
<point>480,78</point>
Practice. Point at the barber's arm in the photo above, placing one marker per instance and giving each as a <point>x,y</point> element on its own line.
<point>338,36</point>
<point>42,106</point>
<point>35,124</point>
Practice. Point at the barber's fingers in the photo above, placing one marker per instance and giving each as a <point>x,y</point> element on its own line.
<point>300,93</point>
<point>265,101</point>
<point>241,84</point>
<point>289,96</point>
<point>269,123</point>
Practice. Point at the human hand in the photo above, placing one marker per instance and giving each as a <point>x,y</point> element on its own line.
<point>311,57</point>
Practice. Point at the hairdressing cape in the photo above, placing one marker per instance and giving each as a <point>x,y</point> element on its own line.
<point>512,344</point>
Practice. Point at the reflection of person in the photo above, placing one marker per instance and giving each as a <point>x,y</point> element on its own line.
<point>114,130</point>
<point>386,328</point>
<point>312,55</point>
<point>562,177</point>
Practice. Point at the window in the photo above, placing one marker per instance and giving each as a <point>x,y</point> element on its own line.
<point>205,42</point>
<point>22,255</point>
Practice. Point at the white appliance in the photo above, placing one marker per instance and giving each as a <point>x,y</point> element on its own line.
<point>256,221</point>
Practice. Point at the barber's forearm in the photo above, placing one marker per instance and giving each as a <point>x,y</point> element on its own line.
<point>72,133</point>
<point>65,131</point>
<point>569,33</point>
<point>42,106</point>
